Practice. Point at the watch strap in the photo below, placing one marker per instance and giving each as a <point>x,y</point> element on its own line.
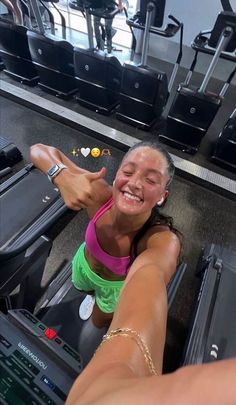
<point>55,170</point>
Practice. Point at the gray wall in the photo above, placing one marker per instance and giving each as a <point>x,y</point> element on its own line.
<point>196,15</point>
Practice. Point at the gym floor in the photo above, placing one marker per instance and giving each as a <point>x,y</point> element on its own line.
<point>203,216</point>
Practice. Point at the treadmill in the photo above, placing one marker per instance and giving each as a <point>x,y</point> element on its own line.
<point>37,364</point>
<point>213,331</point>
<point>30,204</point>
<point>60,311</point>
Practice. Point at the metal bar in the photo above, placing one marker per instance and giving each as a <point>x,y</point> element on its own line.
<point>89,28</point>
<point>150,11</point>
<point>226,85</point>
<point>37,14</point>
<point>223,42</point>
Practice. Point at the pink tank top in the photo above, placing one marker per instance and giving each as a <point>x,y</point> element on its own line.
<point>118,265</point>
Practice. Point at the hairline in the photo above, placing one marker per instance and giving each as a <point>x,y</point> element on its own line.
<point>134,148</point>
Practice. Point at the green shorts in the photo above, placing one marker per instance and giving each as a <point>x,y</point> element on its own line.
<point>106,291</point>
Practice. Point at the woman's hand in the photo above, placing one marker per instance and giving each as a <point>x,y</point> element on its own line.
<point>82,190</point>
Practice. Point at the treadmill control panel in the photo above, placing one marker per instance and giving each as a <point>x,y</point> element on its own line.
<point>36,365</point>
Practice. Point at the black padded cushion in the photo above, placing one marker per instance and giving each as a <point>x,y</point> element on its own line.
<point>13,39</point>
<point>51,52</point>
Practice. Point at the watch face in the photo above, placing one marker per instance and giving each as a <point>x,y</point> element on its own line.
<point>53,170</point>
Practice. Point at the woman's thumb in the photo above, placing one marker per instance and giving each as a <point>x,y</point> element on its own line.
<point>97,175</point>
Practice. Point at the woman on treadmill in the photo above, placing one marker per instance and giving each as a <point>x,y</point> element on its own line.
<point>125,222</point>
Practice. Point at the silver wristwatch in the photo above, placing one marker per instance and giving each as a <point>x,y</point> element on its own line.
<point>55,170</point>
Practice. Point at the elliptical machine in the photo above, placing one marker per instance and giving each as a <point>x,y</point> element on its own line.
<point>194,109</point>
<point>98,74</point>
<point>145,91</point>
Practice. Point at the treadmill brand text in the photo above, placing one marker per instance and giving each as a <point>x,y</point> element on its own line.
<point>32,356</point>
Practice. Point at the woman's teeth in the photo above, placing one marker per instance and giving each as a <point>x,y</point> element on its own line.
<point>132,197</point>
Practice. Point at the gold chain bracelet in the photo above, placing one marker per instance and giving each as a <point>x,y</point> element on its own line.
<point>127,332</point>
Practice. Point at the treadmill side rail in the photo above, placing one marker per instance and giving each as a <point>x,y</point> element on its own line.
<point>212,335</point>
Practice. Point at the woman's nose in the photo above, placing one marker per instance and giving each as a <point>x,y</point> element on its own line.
<point>136,182</point>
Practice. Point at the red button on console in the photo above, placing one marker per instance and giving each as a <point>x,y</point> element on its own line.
<point>50,333</point>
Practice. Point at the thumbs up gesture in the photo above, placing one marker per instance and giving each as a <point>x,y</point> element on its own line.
<point>83,190</point>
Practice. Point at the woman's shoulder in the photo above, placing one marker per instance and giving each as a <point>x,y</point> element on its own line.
<point>157,234</point>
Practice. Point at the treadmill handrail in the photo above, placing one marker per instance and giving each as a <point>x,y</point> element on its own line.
<point>37,228</point>
<point>13,179</point>
<point>174,283</point>
<point>206,300</point>
<point>25,240</point>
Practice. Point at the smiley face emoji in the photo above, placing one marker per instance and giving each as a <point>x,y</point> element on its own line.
<point>95,152</point>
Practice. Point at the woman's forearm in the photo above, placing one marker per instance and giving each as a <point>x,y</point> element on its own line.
<point>44,156</point>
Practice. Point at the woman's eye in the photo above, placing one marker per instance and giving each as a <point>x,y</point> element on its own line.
<point>150,181</point>
<point>127,173</point>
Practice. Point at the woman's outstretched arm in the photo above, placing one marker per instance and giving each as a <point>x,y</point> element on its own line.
<point>119,370</point>
<point>142,308</point>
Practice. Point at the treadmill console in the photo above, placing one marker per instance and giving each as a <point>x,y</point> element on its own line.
<point>36,366</point>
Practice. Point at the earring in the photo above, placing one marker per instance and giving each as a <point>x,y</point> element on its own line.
<point>113,183</point>
<point>161,201</point>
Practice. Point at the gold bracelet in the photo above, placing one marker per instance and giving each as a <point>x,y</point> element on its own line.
<point>127,332</point>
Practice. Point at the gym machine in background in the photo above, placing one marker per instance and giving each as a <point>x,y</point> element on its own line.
<point>98,74</point>
<point>15,54</point>
<point>212,336</point>
<point>144,91</point>
<point>39,8</point>
<point>224,153</point>
<point>194,109</point>
<point>54,64</point>
<point>9,154</point>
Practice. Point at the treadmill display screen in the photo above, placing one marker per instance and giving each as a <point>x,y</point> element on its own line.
<point>17,382</point>
<point>13,392</point>
<point>34,368</point>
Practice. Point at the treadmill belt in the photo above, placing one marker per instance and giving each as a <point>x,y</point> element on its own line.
<point>64,318</point>
<point>60,311</point>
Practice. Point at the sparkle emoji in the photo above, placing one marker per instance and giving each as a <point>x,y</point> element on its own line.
<point>95,152</point>
<point>75,152</point>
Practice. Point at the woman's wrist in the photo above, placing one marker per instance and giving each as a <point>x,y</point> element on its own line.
<point>61,177</point>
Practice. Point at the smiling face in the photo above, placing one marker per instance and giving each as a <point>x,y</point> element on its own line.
<point>140,181</point>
